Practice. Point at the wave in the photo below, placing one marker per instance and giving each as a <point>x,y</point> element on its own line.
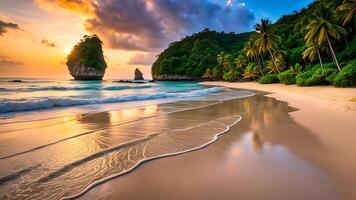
<point>144,160</point>
<point>47,103</point>
<point>76,88</point>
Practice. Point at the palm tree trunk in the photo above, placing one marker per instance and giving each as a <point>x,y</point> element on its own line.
<point>262,61</point>
<point>270,52</point>
<point>333,53</point>
<point>259,64</point>
<point>321,63</point>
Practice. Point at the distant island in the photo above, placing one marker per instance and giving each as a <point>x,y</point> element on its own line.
<point>86,60</point>
<point>315,46</point>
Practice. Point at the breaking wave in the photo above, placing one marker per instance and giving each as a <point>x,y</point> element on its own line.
<point>46,103</point>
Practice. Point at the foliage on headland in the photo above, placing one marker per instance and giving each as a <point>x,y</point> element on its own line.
<point>193,55</point>
<point>313,46</point>
<point>88,51</point>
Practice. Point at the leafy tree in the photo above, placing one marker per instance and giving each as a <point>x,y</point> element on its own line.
<point>198,52</point>
<point>348,7</point>
<point>311,52</point>
<point>276,66</point>
<point>241,61</point>
<point>266,40</point>
<point>251,72</point>
<point>296,69</point>
<point>323,28</point>
<point>209,74</point>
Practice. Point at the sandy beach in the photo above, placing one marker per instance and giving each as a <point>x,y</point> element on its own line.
<point>292,143</point>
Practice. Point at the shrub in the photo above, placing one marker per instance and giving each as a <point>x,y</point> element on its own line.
<point>217,73</point>
<point>269,78</point>
<point>316,76</point>
<point>347,76</point>
<point>287,77</point>
<point>231,75</point>
<point>296,69</point>
<point>301,79</point>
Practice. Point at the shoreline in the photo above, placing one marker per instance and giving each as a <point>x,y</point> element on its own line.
<point>317,133</point>
<point>328,95</point>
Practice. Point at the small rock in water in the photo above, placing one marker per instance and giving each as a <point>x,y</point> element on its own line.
<point>138,75</point>
<point>16,81</point>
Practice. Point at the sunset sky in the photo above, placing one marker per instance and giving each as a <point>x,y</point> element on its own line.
<point>36,35</point>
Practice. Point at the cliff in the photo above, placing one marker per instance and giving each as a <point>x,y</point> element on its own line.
<point>86,60</point>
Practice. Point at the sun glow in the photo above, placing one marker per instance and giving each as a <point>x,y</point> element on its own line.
<point>67,50</point>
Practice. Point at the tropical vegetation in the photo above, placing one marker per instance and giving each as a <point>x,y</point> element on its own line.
<point>313,46</point>
<point>88,51</point>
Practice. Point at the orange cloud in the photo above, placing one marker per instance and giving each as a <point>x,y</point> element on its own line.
<point>82,7</point>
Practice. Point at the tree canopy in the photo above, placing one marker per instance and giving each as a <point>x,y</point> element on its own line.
<point>88,51</point>
<point>193,55</point>
<point>318,40</point>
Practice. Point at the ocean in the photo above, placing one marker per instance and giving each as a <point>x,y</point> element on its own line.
<point>29,96</point>
<point>61,138</point>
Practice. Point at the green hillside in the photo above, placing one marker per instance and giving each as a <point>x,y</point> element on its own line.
<point>193,55</point>
<point>313,46</point>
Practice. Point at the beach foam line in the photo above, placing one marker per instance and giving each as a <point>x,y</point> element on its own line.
<point>122,123</point>
<point>94,131</point>
<point>98,154</point>
<point>68,138</point>
<point>101,181</point>
<point>46,103</point>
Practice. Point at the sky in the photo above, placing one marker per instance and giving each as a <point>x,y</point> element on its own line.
<point>37,35</point>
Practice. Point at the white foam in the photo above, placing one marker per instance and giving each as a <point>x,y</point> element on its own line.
<point>46,103</point>
<point>98,182</point>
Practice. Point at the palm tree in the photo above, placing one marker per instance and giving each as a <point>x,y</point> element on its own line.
<point>279,54</point>
<point>251,51</point>
<point>322,28</point>
<point>277,66</point>
<point>251,72</point>
<point>241,61</point>
<point>221,58</point>
<point>311,52</point>
<point>296,69</point>
<point>266,40</point>
<point>348,7</point>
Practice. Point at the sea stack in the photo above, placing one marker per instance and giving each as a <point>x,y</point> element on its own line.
<point>138,75</point>
<point>86,60</point>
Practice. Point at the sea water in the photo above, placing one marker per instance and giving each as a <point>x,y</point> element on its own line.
<point>60,138</point>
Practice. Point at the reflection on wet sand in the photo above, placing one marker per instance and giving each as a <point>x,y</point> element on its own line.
<point>266,156</point>
<point>74,152</point>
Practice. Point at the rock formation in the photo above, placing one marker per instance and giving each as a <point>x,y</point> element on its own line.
<point>82,72</point>
<point>86,60</point>
<point>138,75</point>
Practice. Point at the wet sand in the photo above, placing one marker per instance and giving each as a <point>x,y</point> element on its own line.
<point>300,149</point>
